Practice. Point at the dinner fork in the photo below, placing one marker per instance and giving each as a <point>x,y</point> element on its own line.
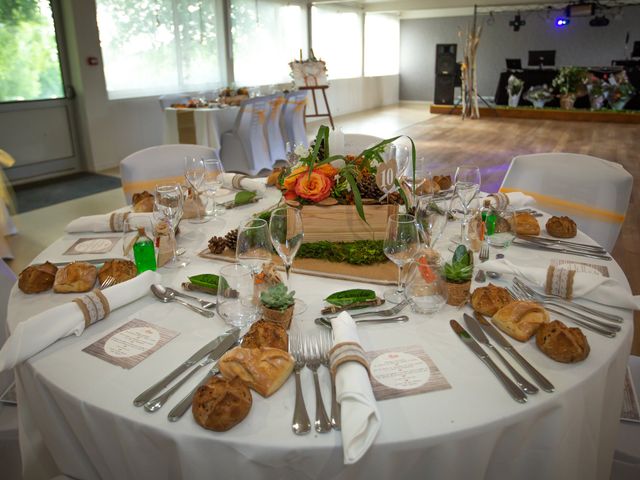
<point>483,255</point>
<point>565,303</point>
<point>606,331</point>
<point>301,424</point>
<point>312,357</point>
<point>327,344</point>
<point>109,281</point>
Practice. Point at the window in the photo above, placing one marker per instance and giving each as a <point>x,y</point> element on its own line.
<point>29,62</point>
<point>337,39</point>
<point>152,47</point>
<point>381,45</point>
<point>267,35</point>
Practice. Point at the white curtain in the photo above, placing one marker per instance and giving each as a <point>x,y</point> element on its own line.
<point>381,44</point>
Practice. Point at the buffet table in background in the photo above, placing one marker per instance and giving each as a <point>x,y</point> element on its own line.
<point>77,416</point>
<point>198,126</point>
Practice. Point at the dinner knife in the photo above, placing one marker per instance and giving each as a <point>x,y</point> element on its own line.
<point>536,246</point>
<point>550,241</point>
<point>517,394</point>
<point>497,337</point>
<point>218,346</point>
<point>183,405</point>
<point>476,331</point>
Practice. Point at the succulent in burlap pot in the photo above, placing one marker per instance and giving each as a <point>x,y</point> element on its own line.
<point>457,274</point>
<point>277,305</point>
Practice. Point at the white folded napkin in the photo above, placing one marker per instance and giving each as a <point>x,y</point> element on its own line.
<point>590,286</point>
<point>360,417</point>
<point>104,223</point>
<point>517,199</point>
<point>38,332</point>
<point>246,183</point>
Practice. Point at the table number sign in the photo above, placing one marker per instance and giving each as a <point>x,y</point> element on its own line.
<point>401,371</point>
<point>83,246</point>
<point>128,345</point>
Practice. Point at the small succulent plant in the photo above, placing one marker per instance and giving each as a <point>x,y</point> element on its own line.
<point>460,269</point>
<point>277,297</point>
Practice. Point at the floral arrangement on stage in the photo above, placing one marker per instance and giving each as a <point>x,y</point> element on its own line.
<point>619,90</point>
<point>570,80</point>
<point>539,95</point>
<point>514,85</point>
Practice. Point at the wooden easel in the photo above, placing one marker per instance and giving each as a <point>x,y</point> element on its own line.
<point>313,89</point>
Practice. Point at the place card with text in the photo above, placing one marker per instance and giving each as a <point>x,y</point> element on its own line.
<point>83,246</point>
<point>128,345</point>
<point>401,371</point>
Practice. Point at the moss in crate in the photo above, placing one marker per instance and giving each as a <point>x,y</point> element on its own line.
<point>360,252</point>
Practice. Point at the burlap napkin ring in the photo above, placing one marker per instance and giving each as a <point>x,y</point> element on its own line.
<point>235,181</point>
<point>347,352</point>
<point>94,306</point>
<point>501,200</point>
<point>560,282</point>
<point>116,221</point>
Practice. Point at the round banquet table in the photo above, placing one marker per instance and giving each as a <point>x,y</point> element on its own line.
<point>77,415</point>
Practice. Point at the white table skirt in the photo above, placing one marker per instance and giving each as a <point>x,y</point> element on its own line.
<point>77,415</point>
<point>210,124</point>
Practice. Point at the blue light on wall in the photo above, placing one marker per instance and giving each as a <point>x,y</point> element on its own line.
<point>561,22</point>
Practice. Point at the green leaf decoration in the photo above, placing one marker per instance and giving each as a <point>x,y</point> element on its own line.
<point>357,199</point>
<point>401,191</point>
<point>460,252</point>
<point>243,197</point>
<point>360,252</point>
<point>348,297</point>
<point>208,280</point>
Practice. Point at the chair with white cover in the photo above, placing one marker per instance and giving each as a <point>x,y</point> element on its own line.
<point>293,118</point>
<point>245,148</point>
<point>626,459</point>
<point>9,447</point>
<point>273,131</point>
<point>593,192</point>
<point>144,169</point>
<point>167,100</point>
<point>355,143</point>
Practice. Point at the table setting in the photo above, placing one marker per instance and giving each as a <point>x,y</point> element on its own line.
<point>229,358</point>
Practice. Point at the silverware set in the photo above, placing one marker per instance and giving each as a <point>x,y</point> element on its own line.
<point>167,294</point>
<point>577,313</point>
<point>562,246</point>
<point>312,352</point>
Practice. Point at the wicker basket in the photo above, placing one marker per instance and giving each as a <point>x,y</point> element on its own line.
<point>281,317</point>
<point>458,293</point>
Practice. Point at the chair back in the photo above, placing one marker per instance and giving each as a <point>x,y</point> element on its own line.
<point>168,100</point>
<point>593,192</point>
<point>144,169</point>
<point>275,139</point>
<point>7,280</point>
<point>250,130</point>
<point>293,118</point>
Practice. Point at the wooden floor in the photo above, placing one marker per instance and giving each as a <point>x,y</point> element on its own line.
<point>447,141</point>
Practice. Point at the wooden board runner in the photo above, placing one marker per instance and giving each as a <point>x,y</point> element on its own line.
<point>379,273</point>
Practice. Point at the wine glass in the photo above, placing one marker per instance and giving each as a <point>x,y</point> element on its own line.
<point>194,173</point>
<point>431,215</point>
<point>286,231</point>
<point>253,246</point>
<point>213,175</point>
<point>420,174</point>
<point>401,245</point>
<point>169,201</point>
<point>402,156</point>
<point>467,184</point>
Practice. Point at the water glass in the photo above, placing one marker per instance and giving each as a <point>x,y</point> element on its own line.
<point>426,288</point>
<point>401,245</point>
<point>253,247</point>
<point>431,215</point>
<point>237,302</point>
<point>213,175</point>
<point>467,184</point>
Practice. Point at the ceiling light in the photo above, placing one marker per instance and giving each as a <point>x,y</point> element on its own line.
<point>561,22</point>
<point>599,21</point>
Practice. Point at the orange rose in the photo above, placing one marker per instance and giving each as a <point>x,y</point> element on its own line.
<point>289,183</point>
<point>316,187</point>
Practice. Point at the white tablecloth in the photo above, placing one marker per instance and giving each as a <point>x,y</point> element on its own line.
<point>77,415</point>
<point>210,124</point>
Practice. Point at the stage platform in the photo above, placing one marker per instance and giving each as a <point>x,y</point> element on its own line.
<point>575,115</point>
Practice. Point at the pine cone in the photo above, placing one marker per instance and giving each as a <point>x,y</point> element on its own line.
<point>217,245</point>
<point>369,188</point>
<point>231,239</point>
<point>395,198</point>
<point>321,150</point>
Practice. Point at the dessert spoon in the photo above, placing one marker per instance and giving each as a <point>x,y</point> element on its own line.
<point>166,297</point>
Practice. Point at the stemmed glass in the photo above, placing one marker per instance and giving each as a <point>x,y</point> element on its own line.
<point>420,174</point>
<point>431,216</point>
<point>467,184</point>
<point>169,201</point>
<point>253,246</point>
<point>213,174</point>
<point>194,173</point>
<point>401,245</point>
<point>286,231</point>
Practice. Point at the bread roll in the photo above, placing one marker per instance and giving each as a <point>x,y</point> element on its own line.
<point>121,270</point>
<point>262,369</point>
<point>443,180</point>
<point>561,227</point>
<point>526,224</point>
<point>221,404</point>
<point>75,277</point>
<point>37,278</point>
<point>562,343</point>
<point>142,202</point>
<point>266,334</point>
<point>488,300</point>
<point>520,319</point>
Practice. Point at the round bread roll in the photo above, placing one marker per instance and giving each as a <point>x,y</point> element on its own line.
<point>444,181</point>
<point>75,277</point>
<point>561,343</point>
<point>561,227</point>
<point>221,404</point>
<point>37,278</point>
<point>266,334</point>
<point>121,270</point>
<point>526,224</point>
<point>520,319</point>
<point>488,300</point>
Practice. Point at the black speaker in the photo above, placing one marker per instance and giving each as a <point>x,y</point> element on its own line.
<point>446,73</point>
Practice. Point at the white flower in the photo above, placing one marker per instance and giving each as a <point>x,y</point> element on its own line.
<point>301,151</point>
